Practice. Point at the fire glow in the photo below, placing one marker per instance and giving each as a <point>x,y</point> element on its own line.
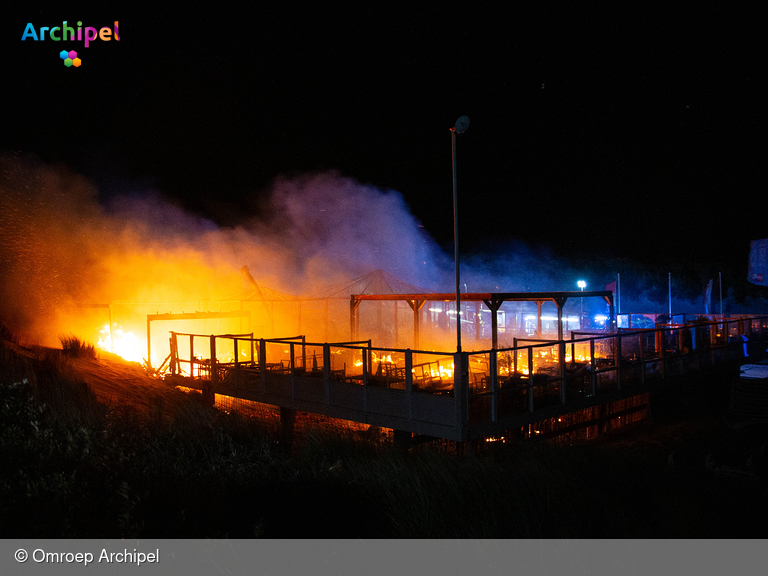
<point>74,265</point>
<point>125,344</point>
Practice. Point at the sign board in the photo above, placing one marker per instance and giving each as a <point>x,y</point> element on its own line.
<point>758,262</point>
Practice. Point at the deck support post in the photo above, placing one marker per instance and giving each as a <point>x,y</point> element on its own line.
<point>416,305</point>
<point>209,396</point>
<point>492,376</point>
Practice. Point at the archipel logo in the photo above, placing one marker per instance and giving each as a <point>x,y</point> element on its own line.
<point>70,58</point>
<point>67,34</point>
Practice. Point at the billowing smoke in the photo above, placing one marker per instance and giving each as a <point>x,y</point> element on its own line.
<point>60,248</point>
<point>325,228</point>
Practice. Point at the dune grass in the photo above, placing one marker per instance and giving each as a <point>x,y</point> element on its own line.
<point>76,348</point>
<point>78,468</point>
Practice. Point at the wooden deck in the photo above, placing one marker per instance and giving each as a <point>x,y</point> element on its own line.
<point>463,396</point>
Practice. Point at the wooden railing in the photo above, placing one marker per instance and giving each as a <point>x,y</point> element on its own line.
<point>484,390</point>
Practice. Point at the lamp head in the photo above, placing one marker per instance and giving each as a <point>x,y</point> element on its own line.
<point>462,124</point>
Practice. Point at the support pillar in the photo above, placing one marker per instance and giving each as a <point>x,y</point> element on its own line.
<point>477,321</point>
<point>416,305</point>
<point>149,343</point>
<point>397,327</point>
<point>539,331</point>
<point>612,321</point>
<point>560,303</point>
<point>353,305</point>
<point>493,305</point>
<point>326,319</point>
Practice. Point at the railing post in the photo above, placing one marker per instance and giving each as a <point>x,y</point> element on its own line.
<point>618,362</point>
<point>263,364</point>
<point>641,352</point>
<point>214,372</point>
<point>174,357</point>
<point>304,352</point>
<point>592,366</point>
<point>370,359</point>
<point>494,385</point>
<point>514,345</point>
<point>293,370</point>
<point>364,366</point>
<point>563,374</point>
<point>662,352</point>
<point>237,361</point>
<point>573,350</point>
<point>530,378</point>
<point>409,383</point>
<point>192,357</point>
<point>253,354</point>
<point>327,371</point>
<point>695,346</point>
<point>208,389</point>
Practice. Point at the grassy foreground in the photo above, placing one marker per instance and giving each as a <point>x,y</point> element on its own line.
<point>77,468</point>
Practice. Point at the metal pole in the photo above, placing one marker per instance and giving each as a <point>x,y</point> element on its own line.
<point>720,281</point>
<point>670,297</point>
<point>456,243</point>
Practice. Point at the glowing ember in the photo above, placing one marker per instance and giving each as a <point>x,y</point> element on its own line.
<point>445,371</point>
<point>437,370</point>
<point>376,359</point>
<point>579,358</point>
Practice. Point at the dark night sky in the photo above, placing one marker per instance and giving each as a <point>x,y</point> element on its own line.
<point>634,134</point>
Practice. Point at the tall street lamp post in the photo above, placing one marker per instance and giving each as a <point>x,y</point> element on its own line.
<point>461,125</point>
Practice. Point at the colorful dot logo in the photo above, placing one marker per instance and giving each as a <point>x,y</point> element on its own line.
<point>70,58</point>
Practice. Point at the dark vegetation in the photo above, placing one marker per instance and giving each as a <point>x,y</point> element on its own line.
<point>74,347</point>
<point>76,468</point>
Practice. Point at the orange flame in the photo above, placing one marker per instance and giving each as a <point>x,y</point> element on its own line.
<point>125,344</point>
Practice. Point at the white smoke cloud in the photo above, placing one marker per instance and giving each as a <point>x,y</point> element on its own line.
<point>60,247</point>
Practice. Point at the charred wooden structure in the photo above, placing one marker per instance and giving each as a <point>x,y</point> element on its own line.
<point>467,395</point>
